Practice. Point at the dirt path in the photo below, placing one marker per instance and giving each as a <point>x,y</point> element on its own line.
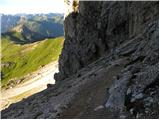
<point>90,102</point>
<point>35,83</point>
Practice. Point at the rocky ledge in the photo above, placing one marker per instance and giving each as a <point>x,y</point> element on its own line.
<point>109,66</point>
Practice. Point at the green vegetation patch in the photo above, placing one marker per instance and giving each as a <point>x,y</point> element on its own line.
<point>19,60</point>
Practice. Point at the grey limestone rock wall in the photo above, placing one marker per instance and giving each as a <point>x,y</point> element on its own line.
<point>101,38</point>
<point>98,28</point>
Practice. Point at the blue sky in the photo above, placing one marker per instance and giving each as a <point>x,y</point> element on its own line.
<point>31,6</point>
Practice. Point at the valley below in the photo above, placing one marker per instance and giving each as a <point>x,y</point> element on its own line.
<point>35,82</point>
<point>105,66</point>
<point>31,45</point>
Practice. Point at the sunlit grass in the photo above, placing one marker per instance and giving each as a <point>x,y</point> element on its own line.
<point>24,59</point>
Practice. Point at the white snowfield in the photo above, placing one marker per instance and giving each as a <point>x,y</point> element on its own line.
<point>37,82</point>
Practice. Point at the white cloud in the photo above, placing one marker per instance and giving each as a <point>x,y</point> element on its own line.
<point>31,6</point>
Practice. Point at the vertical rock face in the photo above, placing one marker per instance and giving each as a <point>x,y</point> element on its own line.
<point>116,45</point>
<point>98,28</point>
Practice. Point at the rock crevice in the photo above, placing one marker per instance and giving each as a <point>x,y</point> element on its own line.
<point>99,27</point>
<point>108,68</point>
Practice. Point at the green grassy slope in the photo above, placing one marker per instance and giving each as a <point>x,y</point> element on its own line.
<point>19,60</point>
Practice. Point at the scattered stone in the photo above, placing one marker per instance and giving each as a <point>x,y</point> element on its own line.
<point>117,93</point>
<point>132,111</point>
<point>138,115</point>
<point>149,99</point>
<point>99,107</point>
<point>139,96</point>
<point>129,91</point>
<point>147,110</point>
<point>99,34</point>
<point>122,116</point>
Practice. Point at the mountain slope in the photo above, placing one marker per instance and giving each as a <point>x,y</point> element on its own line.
<point>19,60</point>
<point>8,22</point>
<point>33,27</point>
<point>108,67</point>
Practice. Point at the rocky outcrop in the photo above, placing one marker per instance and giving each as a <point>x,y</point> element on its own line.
<point>98,28</point>
<point>139,79</point>
<point>108,66</point>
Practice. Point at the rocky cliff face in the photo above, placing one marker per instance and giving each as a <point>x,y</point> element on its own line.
<point>98,28</point>
<point>108,66</point>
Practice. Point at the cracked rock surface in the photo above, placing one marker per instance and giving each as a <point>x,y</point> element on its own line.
<point>109,66</point>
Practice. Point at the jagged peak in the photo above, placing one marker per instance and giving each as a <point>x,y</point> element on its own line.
<point>19,28</point>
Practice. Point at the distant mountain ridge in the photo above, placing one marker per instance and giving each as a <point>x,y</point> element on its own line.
<point>25,28</point>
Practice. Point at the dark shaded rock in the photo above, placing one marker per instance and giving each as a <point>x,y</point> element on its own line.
<point>112,45</point>
<point>131,95</point>
<point>101,26</point>
<point>117,93</point>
